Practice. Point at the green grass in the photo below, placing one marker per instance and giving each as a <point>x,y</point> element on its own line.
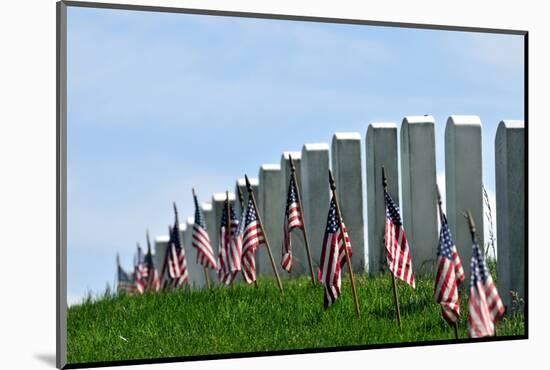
<point>243,318</point>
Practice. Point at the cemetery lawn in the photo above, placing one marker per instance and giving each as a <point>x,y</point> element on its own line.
<point>243,318</point>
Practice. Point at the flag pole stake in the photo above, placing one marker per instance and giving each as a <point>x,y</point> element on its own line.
<point>456,330</point>
<point>298,196</point>
<point>340,225</point>
<point>241,202</point>
<point>251,194</point>
<point>394,284</point>
<point>440,211</point>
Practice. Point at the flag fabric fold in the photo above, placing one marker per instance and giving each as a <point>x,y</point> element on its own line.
<point>397,248</point>
<point>176,260</point>
<point>293,220</point>
<point>485,306</point>
<point>125,281</point>
<point>230,247</point>
<point>201,240</point>
<point>253,237</point>
<point>449,274</point>
<point>333,256</point>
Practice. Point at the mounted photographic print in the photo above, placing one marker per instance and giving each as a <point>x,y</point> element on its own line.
<point>236,185</point>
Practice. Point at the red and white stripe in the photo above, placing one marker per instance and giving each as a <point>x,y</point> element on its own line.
<point>484,309</point>
<point>333,258</point>
<point>293,220</point>
<point>201,242</point>
<point>485,305</point>
<point>398,252</point>
<point>230,250</point>
<point>177,266</point>
<point>446,289</point>
<point>253,236</point>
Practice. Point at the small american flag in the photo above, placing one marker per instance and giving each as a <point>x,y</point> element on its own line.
<point>333,256</point>
<point>177,263</point>
<point>397,247</point>
<point>485,305</point>
<point>140,272</point>
<point>253,236</point>
<point>230,247</point>
<point>125,281</point>
<point>293,220</point>
<point>201,240</point>
<point>449,274</point>
<point>153,281</point>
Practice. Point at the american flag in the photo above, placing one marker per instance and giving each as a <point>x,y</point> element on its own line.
<point>201,240</point>
<point>153,281</point>
<point>140,271</point>
<point>333,256</point>
<point>449,274</point>
<point>293,220</point>
<point>485,305</point>
<point>125,281</point>
<point>397,247</point>
<point>253,236</point>
<point>177,263</point>
<point>230,247</point>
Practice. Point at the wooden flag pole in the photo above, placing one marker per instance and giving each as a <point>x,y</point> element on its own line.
<point>206,278</point>
<point>341,226</point>
<point>299,198</point>
<point>251,194</point>
<point>394,284</point>
<point>440,211</point>
<point>241,202</point>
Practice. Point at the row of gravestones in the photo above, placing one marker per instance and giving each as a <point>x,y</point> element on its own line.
<point>463,177</point>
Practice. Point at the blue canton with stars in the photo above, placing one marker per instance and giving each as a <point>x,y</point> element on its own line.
<point>392,210</point>
<point>224,214</point>
<point>250,213</point>
<point>445,240</point>
<point>332,224</point>
<point>175,236</point>
<point>291,194</point>
<point>199,220</point>
<point>478,267</point>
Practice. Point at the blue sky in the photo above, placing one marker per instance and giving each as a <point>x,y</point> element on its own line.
<point>158,103</point>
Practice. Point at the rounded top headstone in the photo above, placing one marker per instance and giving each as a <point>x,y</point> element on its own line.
<point>411,120</point>
<point>220,197</point>
<point>315,147</point>
<point>295,155</point>
<point>241,181</point>
<point>270,167</point>
<point>162,239</point>
<point>347,136</point>
<point>458,120</point>
<point>511,124</point>
<point>383,125</point>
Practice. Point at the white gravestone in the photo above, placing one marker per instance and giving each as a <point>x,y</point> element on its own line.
<point>161,247</point>
<point>418,185</point>
<point>381,150</point>
<point>510,209</point>
<point>346,167</point>
<point>463,180</point>
<point>271,208</point>
<point>315,191</point>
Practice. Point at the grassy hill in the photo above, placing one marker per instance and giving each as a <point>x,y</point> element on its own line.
<point>243,318</point>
